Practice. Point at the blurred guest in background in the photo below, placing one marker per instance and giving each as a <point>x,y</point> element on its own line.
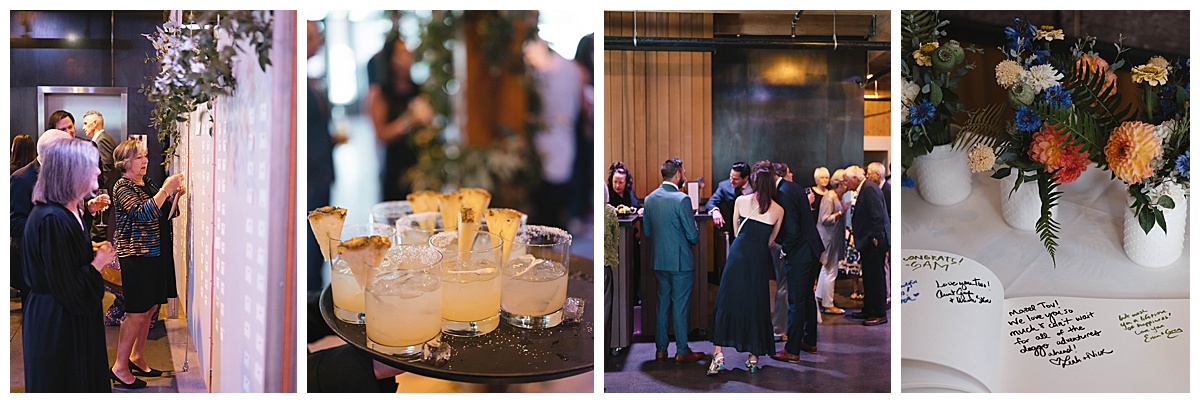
<point>832,227</point>
<point>320,158</point>
<point>396,108</point>
<point>561,89</point>
<point>620,186</point>
<point>20,186</point>
<point>62,120</point>
<point>23,151</point>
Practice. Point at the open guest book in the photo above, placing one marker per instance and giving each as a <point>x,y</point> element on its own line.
<point>961,334</point>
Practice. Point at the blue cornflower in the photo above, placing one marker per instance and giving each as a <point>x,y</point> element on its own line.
<point>1183,165</point>
<point>907,181</point>
<point>1057,96</point>
<point>921,112</point>
<point>1027,119</point>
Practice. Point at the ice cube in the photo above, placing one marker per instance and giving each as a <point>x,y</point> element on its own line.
<point>573,310</point>
<point>437,352</point>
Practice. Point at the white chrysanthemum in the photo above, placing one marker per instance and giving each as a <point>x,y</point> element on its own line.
<point>909,91</point>
<point>1164,130</point>
<point>1008,73</point>
<point>1041,77</point>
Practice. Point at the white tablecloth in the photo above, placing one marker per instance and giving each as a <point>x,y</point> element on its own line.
<point>1091,261</point>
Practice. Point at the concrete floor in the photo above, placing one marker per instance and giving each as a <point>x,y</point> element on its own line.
<point>166,348</point>
<point>850,358</point>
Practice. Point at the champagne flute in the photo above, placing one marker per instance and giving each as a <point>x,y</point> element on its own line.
<point>102,223</point>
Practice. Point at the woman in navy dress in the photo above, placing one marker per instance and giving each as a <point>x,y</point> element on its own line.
<point>743,310</point>
<point>62,327</point>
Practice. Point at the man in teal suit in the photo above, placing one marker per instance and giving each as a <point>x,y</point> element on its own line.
<point>670,224</point>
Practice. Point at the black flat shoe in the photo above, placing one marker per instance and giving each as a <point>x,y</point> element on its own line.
<point>136,384</point>
<point>133,369</point>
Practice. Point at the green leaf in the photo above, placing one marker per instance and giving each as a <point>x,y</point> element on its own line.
<point>1002,173</point>
<point>1145,219</point>
<point>1166,202</point>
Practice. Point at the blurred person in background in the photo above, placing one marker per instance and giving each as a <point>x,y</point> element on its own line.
<point>23,151</point>
<point>561,88</point>
<point>396,107</point>
<point>320,158</point>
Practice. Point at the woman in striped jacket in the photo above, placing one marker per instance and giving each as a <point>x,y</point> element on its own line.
<point>143,238</point>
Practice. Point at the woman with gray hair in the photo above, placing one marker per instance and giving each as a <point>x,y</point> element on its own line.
<point>832,219</point>
<point>143,234</point>
<point>63,323</point>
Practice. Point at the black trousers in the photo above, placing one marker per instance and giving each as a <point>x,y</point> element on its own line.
<point>802,309</point>
<point>874,279</point>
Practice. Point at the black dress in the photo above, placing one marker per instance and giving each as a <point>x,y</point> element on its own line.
<point>400,154</point>
<point>743,310</point>
<point>63,323</point>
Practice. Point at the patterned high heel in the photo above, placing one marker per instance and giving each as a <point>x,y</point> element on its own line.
<point>752,364</point>
<point>717,364</point>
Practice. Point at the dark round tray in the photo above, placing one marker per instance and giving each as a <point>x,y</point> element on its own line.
<point>506,355</point>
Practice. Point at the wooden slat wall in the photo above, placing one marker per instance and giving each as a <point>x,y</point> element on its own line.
<point>658,105</point>
<point>877,118</point>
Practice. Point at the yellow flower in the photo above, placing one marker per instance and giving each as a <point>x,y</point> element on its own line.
<point>1150,74</point>
<point>922,55</point>
<point>922,58</point>
<point>1048,33</point>
<point>1131,148</point>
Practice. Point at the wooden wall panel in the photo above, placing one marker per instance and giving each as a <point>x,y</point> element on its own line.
<point>658,105</point>
<point>877,118</point>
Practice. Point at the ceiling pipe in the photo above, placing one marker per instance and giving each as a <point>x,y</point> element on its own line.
<point>742,42</point>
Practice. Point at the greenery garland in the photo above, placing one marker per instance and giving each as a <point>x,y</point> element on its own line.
<point>196,69</point>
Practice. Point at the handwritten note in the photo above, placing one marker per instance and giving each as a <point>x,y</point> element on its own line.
<point>1049,330</point>
<point>963,292</point>
<point>1150,325</point>
<point>931,262</point>
<point>906,292</point>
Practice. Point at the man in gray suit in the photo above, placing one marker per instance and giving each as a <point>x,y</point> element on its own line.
<point>670,224</point>
<point>93,127</point>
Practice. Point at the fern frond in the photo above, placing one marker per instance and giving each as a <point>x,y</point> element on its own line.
<point>1092,95</point>
<point>987,125</point>
<point>918,26</point>
<point>1047,228</point>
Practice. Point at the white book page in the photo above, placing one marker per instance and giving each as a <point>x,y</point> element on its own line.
<point>1059,344</point>
<point>950,307</point>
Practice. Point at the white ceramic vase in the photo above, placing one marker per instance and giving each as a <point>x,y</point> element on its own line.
<point>1158,248</point>
<point>1023,207</point>
<point>943,177</point>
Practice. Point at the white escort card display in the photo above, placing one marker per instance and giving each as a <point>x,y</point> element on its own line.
<point>961,334</point>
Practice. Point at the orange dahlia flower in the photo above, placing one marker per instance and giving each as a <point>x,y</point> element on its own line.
<point>1131,148</point>
<point>1048,149</point>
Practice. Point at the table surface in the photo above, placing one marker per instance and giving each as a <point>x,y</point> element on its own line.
<point>506,355</point>
<point>1091,260</point>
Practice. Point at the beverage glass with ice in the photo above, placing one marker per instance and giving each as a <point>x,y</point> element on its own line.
<point>389,211</point>
<point>470,283</point>
<point>404,302</point>
<point>534,278</point>
<point>348,297</point>
<point>417,228</point>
